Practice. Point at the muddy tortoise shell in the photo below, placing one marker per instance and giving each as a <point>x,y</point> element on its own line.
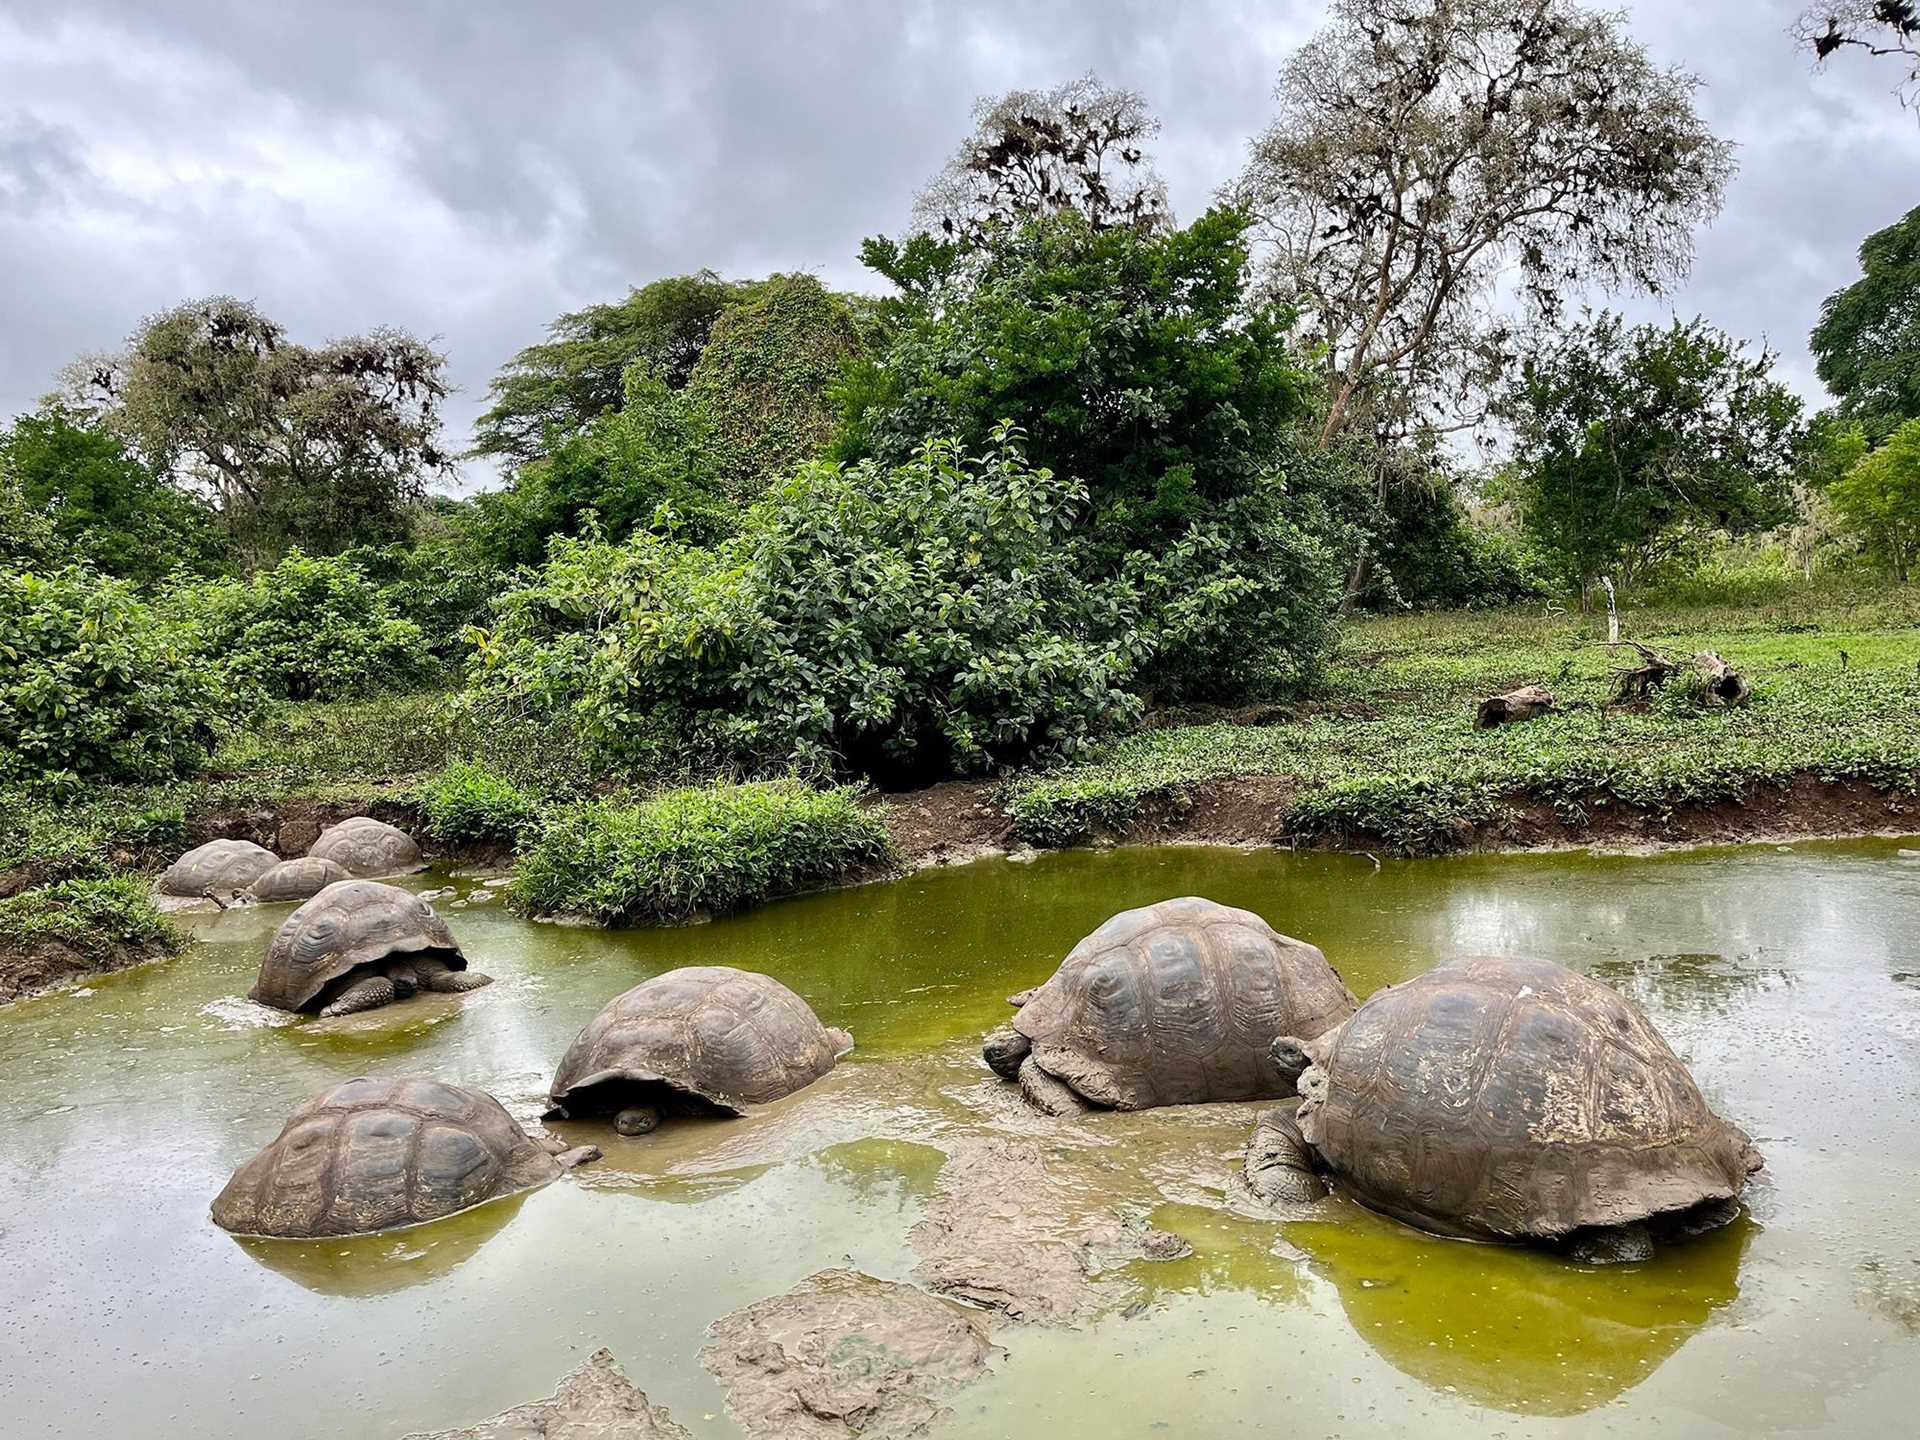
<point>367,848</point>
<point>349,924</point>
<point>1514,1100</point>
<point>1179,1003</point>
<point>721,1036</point>
<point>300,879</point>
<point>372,1155</point>
<point>219,867</point>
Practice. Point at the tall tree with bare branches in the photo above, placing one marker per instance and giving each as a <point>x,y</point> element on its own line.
<point>1889,29</point>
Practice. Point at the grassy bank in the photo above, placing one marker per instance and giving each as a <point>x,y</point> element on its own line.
<point>79,927</point>
<point>1388,753</point>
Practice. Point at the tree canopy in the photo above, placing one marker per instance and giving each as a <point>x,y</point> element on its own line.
<point>1867,344</point>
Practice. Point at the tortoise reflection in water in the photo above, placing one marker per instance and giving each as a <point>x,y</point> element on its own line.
<point>1505,1100</point>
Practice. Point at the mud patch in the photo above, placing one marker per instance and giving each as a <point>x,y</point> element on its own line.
<point>845,1354</point>
<point>1010,1232</point>
<point>595,1402</point>
<point>48,964</point>
<point>949,823</point>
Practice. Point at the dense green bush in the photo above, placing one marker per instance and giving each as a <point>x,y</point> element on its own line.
<point>94,684</point>
<point>929,617</point>
<point>1430,554</point>
<point>468,804</point>
<point>698,851</point>
<point>311,628</point>
<point>105,922</point>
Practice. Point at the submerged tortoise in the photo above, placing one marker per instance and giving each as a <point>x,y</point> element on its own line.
<point>300,879</point>
<point>372,1155</point>
<point>359,944</point>
<point>219,867</point>
<point>703,1040</point>
<point>1505,1100</point>
<point>1173,1004</point>
<point>367,848</point>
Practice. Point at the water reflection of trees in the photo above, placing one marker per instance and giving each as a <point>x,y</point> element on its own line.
<point>1516,1329</point>
<point>1695,984</point>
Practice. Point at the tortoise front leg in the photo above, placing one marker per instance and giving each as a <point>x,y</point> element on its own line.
<point>369,992</point>
<point>435,974</point>
<point>1046,1094</point>
<point>1279,1161</point>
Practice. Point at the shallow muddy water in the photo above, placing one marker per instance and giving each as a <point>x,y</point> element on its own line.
<point>1789,979</point>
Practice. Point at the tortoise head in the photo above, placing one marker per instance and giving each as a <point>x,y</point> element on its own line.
<point>1291,1056</point>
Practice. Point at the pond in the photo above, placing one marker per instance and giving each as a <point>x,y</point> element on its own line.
<point>1788,977</point>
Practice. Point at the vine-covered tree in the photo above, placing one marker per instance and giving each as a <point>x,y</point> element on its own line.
<point>1867,345</point>
<point>1078,147</point>
<point>1888,29</point>
<point>321,447</point>
<point>1630,440</point>
<point>553,390</point>
<point>1425,147</point>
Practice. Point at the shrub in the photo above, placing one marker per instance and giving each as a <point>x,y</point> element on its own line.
<point>100,924</point>
<point>925,618</point>
<point>688,852</point>
<point>1432,555</point>
<point>382,736</point>
<point>311,628</point>
<point>467,803</point>
<point>93,684</point>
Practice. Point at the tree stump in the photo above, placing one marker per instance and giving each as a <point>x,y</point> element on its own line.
<point>1642,680</point>
<point>1720,684</point>
<point>1513,707</point>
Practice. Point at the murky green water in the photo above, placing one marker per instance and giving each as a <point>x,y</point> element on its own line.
<point>1790,980</point>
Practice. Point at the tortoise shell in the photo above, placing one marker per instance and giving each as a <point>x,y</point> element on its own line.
<point>349,924</point>
<point>219,867</point>
<point>710,1033</point>
<point>1178,1003</point>
<point>367,848</point>
<point>1510,1100</point>
<point>375,1154</point>
<point>300,879</point>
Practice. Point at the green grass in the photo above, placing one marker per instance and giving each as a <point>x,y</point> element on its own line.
<point>707,850</point>
<point>1394,756</point>
<point>100,920</point>
<point>467,803</point>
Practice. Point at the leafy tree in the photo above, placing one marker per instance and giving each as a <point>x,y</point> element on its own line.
<point>311,628</point>
<point>1879,500</point>
<point>1434,555</point>
<point>554,390</point>
<point>93,684</point>
<point>1867,345</point>
<point>1133,361</point>
<point>1425,147</point>
<point>26,536</point>
<point>1886,28</point>
<point>103,506</point>
<point>764,384</point>
<point>1073,149</point>
<point>325,446</point>
<point>1628,439</point>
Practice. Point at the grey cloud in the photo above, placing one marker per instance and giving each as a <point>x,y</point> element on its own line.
<point>469,170</point>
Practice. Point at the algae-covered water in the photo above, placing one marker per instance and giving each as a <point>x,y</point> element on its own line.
<point>1790,979</point>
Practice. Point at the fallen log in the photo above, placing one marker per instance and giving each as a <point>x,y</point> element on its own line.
<point>1513,707</point>
<point>1721,685</point>
<point>1642,680</point>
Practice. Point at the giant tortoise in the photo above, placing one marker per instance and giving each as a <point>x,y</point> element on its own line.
<point>358,944</point>
<point>219,867</point>
<point>300,879</point>
<point>703,1040</point>
<point>1172,1004</point>
<point>367,848</point>
<point>1505,1100</point>
<point>372,1155</point>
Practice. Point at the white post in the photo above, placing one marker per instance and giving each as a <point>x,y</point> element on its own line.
<point>1613,615</point>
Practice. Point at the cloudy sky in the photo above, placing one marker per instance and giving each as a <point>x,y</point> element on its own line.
<point>470,169</point>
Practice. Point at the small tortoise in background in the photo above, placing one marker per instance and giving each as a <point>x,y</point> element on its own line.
<point>367,848</point>
<point>219,867</point>
<point>373,1155</point>
<point>300,879</point>
<point>359,944</point>
<point>703,1040</point>
<point>1173,1004</point>
<point>1505,1100</point>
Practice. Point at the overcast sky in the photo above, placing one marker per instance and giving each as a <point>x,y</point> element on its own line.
<point>468,170</point>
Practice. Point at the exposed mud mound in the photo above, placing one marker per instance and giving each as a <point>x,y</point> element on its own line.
<point>595,1402</point>
<point>1007,1231</point>
<point>48,964</point>
<point>845,1354</point>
